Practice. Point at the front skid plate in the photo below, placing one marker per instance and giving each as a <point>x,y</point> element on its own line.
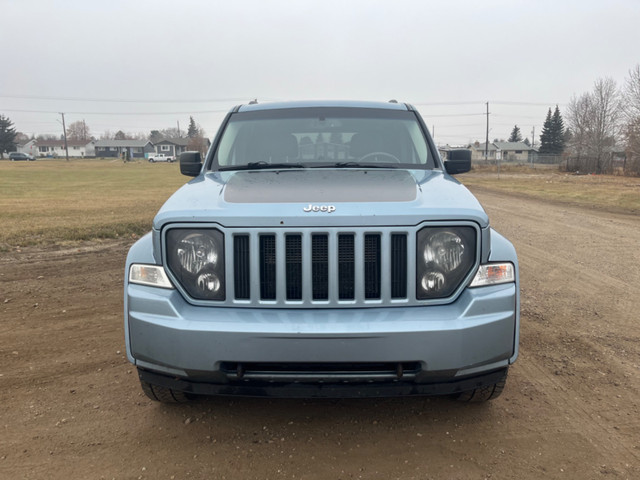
<point>323,390</point>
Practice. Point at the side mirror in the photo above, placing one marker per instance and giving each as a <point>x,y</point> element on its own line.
<point>190,163</point>
<point>458,161</point>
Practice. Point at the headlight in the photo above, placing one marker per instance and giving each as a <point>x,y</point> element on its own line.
<point>152,275</point>
<point>494,274</point>
<point>445,257</point>
<point>196,259</point>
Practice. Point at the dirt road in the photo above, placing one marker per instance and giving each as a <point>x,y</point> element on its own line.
<point>71,406</point>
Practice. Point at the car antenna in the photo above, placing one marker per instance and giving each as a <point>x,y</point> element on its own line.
<point>253,102</point>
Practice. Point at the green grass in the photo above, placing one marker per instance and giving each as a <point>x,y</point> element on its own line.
<point>55,201</point>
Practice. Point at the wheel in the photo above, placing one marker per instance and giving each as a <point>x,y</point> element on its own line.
<point>483,394</point>
<point>151,160</point>
<point>164,394</point>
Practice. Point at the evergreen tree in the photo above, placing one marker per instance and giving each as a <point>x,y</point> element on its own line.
<point>515,136</point>
<point>7,136</point>
<point>546,135</point>
<point>193,129</point>
<point>527,142</point>
<point>558,138</point>
<point>155,136</point>
<point>553,138</point>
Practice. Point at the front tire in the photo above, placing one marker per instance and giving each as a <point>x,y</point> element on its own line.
<point>164,394</point>
<point>484,394</point>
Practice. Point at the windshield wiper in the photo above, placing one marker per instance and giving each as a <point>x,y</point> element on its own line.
<point>361,165</point>
<point>263,166</point>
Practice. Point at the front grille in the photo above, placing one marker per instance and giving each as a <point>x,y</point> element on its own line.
<point>309,268</point>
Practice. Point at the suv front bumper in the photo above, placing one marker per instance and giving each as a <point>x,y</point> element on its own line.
<point>454,347</point>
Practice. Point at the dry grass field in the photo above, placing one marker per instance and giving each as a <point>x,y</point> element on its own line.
<point>58,202</point>
<point>54,201</point>
<point>604,192</point>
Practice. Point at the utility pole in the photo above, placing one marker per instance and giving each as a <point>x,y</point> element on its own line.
<point>64,129</point>
<point>533,137</point>
<point>486,145</point>
<point>533,143</point>
<point>178,122</point>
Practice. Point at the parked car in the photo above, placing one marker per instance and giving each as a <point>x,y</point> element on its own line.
<point>161,157</point>
<point>323,249</point>
<point>15,156</point>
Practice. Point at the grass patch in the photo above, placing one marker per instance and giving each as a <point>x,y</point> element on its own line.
<point>57,202</point>
<point>605,192</point>
<point>54,201</point>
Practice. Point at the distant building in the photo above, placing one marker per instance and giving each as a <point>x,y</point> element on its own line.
<point>56,148</point>
<point>172,146</point>
<point>115,148</point>
<point>478,152</point>
<point>503,151</point>
<point>514,151</point>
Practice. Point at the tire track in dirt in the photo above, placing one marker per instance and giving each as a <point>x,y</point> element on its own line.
<point>579,307</point>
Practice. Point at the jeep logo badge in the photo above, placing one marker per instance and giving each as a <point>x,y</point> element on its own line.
<point>319,208</point>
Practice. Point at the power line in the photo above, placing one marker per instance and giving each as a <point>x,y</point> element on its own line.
<point>189,112</point>
<point>124,100</point>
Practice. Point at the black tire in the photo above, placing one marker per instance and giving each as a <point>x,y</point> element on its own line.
<point>164,394</point>
<point>483,394</point>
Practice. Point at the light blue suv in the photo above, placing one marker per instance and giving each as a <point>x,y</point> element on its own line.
<point>322,249</point>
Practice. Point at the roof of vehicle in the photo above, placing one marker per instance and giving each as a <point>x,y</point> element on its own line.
<point>321,103</point>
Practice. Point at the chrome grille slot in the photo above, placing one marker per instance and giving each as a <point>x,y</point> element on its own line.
<point>242,267</point>
<point>268,267</point>
<point>320,266</point>
<point>346,267</point>
<point>398,265</point>
<point>294,267</point>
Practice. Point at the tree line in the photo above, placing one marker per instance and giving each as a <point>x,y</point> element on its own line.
<point>602,131</point>
<point>81,132</point>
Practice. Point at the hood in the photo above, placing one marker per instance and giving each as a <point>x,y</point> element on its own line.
<point>321,197</point>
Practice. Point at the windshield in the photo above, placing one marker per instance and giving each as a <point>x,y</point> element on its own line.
<point>323,137</point>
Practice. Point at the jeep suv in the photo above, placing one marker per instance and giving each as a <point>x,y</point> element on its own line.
<point>322,249</point>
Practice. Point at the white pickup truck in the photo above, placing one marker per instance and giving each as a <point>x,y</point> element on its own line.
<point>161,157</point>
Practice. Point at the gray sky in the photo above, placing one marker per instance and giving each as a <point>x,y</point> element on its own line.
<point>138,65</point>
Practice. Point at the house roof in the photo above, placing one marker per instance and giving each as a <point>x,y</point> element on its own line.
<point>122,143</point>
<point>480,147</point>
<point>60,143</point>
<point>183,142</point>
<point>509,146</point>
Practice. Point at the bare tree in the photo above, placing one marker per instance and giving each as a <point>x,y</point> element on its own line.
<point>594,120</point>
<point>631,129</point>
<point>79,131</point>
<point>198,140</point>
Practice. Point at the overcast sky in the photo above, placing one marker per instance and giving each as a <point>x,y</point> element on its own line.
<point>137,65</point>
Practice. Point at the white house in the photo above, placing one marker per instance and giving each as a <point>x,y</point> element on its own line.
<point>55,148</point>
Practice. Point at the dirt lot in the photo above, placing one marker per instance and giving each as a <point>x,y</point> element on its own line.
<point>71,406</point>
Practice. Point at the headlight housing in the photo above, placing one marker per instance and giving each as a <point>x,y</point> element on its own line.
<point>150,275</point>
<point>445,257</point>
<point>195,257</point>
